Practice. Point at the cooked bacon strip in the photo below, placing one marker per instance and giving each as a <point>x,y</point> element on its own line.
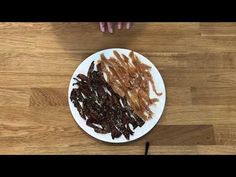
<point>130,78</point>
<point>148,76</point>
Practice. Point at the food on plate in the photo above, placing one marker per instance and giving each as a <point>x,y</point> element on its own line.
<point>130,78</point>
<point>103,109</point>
<point>114,96</point>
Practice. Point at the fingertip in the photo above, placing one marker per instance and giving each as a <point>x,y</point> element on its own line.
<point>102,26</point>
<point>119,25</point>
<point>128,25</point>
<point>111,30</point>
<point>110,27</point>
<point>103,30</point>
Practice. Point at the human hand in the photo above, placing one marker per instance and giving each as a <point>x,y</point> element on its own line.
<point>110,26</point>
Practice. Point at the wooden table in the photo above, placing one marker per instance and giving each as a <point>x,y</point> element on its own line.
<point>196,60</point>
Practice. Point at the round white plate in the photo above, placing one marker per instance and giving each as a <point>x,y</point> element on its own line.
<point>156,108</point>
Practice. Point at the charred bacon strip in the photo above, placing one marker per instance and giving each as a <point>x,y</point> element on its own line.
<point>103,111</point>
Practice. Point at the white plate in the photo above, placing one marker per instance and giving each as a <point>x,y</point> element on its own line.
<point>139,131</point>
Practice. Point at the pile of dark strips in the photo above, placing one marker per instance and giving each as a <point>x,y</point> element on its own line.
<point>103,109</point>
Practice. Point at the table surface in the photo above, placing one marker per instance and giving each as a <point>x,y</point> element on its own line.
<point>197,62</point>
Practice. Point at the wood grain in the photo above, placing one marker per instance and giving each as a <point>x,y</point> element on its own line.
<point>199,115</point>
<point>213,96</point>
<point>14,97</point>
<point>225,134</point>
<point>164,135</point>
<point>197,62</point>
<point>218,29</point>
<point>48,97</point>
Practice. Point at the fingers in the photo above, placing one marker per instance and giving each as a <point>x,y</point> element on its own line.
<point>128,25</point>
<point>119,25</point>
<point>102,26</point>
<point>110,27</point>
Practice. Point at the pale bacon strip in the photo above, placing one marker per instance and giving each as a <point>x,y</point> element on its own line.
<point>130,79</point>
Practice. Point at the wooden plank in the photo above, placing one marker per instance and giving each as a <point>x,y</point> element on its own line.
<point>198,115</point>
<point>218,29</point>
<point>165,135</point>
<point>193,150</point>
<point>123,150</point>
<point>52,62</point>
<point>36,116</point>
<point>48,140</point>
<point>58,37</point>
<point>41,136</point>
<point>48,97</point>
<point>13,80</point>
<point>213,96</point>
<point>211,43</point>
<point>178,96</point>
<point>199,77</point>
<point>71,150</point>
<point>56,136</point>
<point>193,60</point>
<point>40,62</point>
<point>225,134</point>
<point>14,97</point>
<point>217,150</point>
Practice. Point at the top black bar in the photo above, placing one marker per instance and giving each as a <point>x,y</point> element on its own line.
<point>137,11</point>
